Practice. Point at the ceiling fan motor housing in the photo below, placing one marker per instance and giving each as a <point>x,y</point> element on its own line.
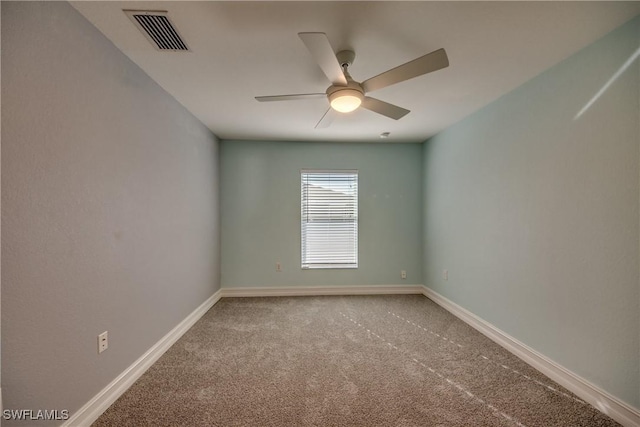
<point>345,98</point>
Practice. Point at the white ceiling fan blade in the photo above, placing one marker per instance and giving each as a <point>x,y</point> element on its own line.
<point>322,52</point>
<point>326,120</point>
<point>294,97</point>
<point>384,108</point>
<point>433,61</point>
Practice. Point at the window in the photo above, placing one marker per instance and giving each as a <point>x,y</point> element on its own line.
<point>329,219</point>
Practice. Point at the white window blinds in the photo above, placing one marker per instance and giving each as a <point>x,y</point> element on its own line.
<point>329,219</point>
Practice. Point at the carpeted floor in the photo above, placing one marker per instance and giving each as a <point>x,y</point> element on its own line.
<point>342,361</point>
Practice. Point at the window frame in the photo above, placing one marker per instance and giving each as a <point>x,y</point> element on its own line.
<point>329,266</point>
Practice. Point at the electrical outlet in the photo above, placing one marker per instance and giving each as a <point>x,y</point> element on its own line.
<point>278,267</point>
<point>403,274</point>
<point>445,274</point>
<point>103,341</point>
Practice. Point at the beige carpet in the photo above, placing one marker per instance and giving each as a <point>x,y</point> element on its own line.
<point>342,361</point>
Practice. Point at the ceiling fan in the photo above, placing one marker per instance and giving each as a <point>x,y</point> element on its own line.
<point>345,94</point>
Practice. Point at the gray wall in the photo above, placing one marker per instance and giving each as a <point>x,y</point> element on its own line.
<point>534,212</point>
<point>109,209</point>
<point>260,202</point>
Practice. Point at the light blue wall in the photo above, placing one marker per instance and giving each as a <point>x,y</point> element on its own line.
<point>110,209</point>
<point>261,212</point>
<point>534,213</point>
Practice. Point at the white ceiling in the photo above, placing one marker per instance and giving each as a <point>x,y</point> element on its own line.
<point>246,49</point>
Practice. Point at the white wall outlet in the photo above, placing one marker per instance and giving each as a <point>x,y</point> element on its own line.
<point>278,267</point>
<point>403,274</point>
<point>103,341</point>
<point>445,274</point>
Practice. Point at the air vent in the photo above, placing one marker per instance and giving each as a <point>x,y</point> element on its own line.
<point>158,29</point>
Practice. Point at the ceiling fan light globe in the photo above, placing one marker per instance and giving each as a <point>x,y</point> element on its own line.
<point>345,101</point>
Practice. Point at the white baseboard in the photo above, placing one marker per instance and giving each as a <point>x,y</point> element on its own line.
<point>600,399</point>
<point>90,412</point>
<point>321,290</point>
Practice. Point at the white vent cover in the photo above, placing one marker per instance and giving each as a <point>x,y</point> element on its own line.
<point>158,29</point>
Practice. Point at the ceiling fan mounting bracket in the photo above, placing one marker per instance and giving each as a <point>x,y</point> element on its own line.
<point>346,57</point>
